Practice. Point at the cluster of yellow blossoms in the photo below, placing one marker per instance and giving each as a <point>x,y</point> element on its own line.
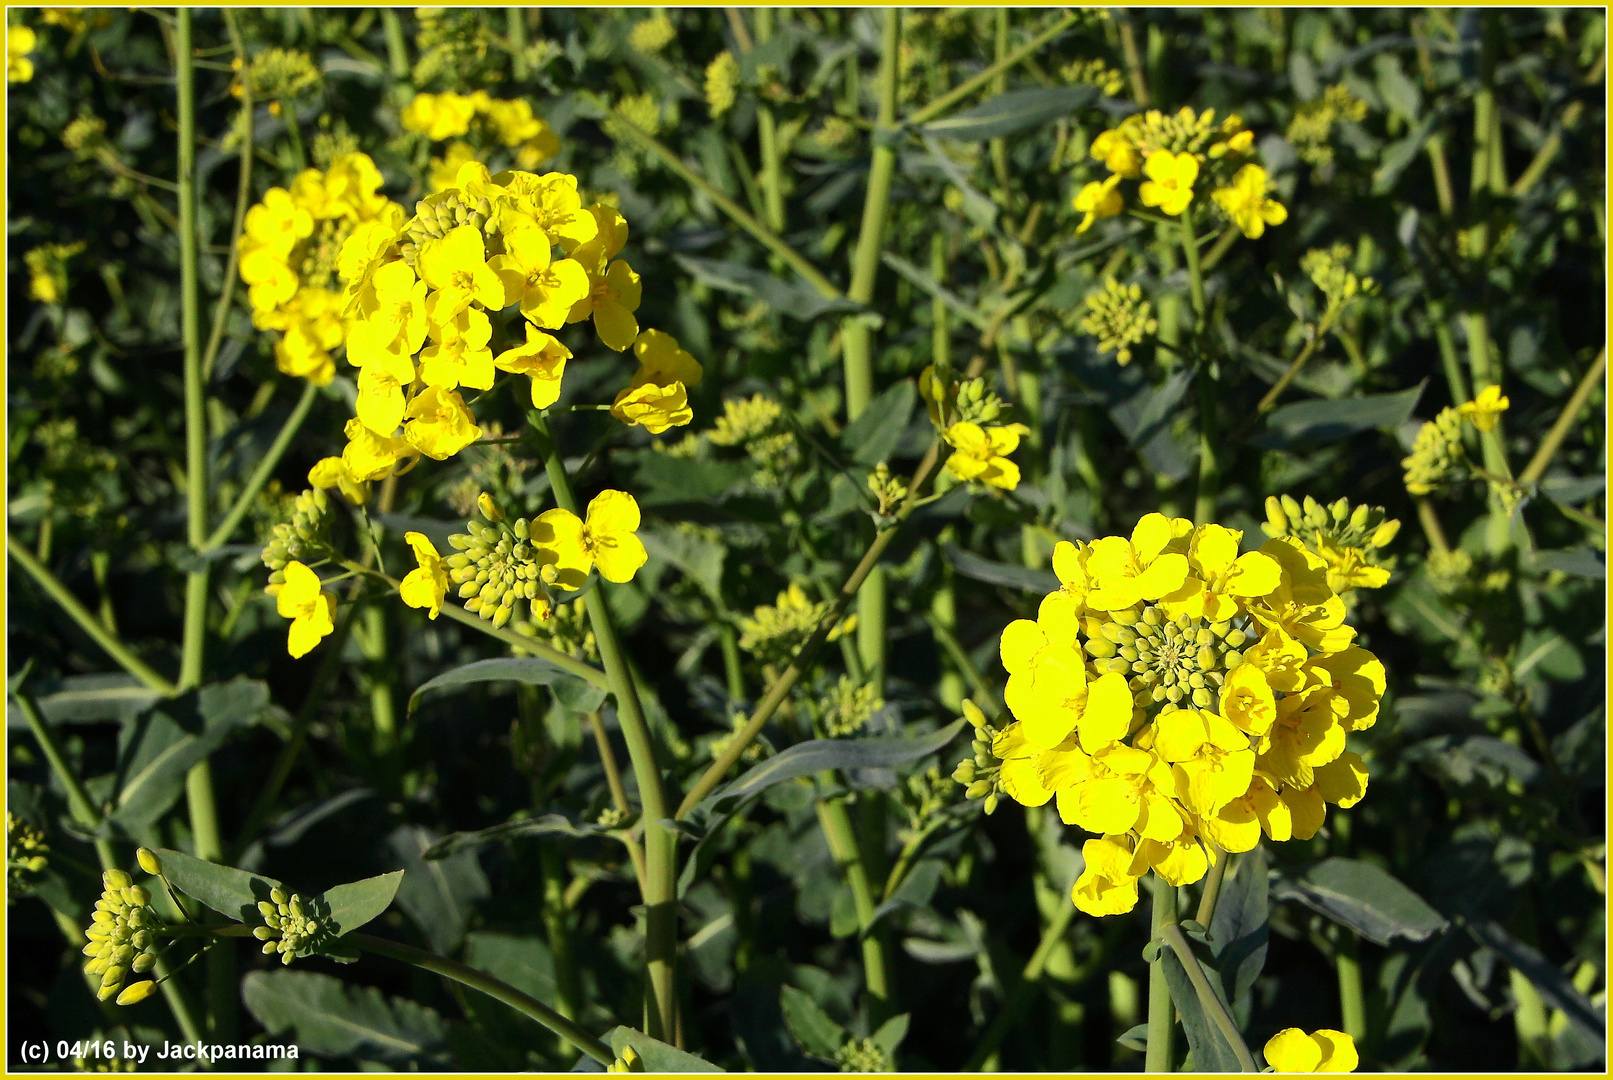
<point>1171,151</point>
<point>419,301</point>
<point>508,123</point>
<point>1437,457</point>
<point>1179,699</point>
<point>290,252</point>
<point>20,41</point>
<point>964,413</point>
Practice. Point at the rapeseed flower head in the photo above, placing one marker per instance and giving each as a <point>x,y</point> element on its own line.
<point>123,938</point>
<point>773,632</point>
<point>1099,199</point>
<point>300,597</point>
<point>1484,411</point>
<point>1311,127</point>
<point>1349,540</point>
<point>653,34</point>
<point>1170,181</point>
<point>951,402</point>
<point>1323,1050</point>
<point>1094,73</point>
<point>1329,270</point>
<point>606,540</point>
<point>722,83</point>
<point>1437,457</point>
<point>293,925</point>
<point>542,359</point>
<point>1119,317</point>
<point>26,852</point>
<point>47,271</point>
<point>981,454</point>
<point>1177,700</point>
<point>1246,204</point>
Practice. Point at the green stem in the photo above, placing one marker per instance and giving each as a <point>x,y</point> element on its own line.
<point>1435,532</point>
<point>1457,382</point>
<point>397,50</point>
<point>734,675</point>
<point>960,657</point>
<point>660,843</point>
<point>1212,891</point>
<point>243,198</point>
<point>1161,1015</point>
<point>804,656</point>
<point>1172,933</point>
<point>92,626</point>
<point>848,856</point>
<point>1559,430</point>
<point>515,23</point>
<point>265,469</point>
<point>1209,465</point>
<point>1352,999</point>
<point>78,799</point>
<point>493,988</point>
<point>963,90</point>
<point>767,136</point>
<point>299,154</point>
<point>765,236</point>
<point>587,672</point>
<point>1547,152</point>
<point>557,919</point>
<point>618,793</point>
<point>1019,996</point>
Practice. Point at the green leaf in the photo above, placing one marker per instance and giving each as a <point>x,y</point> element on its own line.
<point>804,759</point>
<point>575,693</point>
<point>1135,1038</point>
<point>1240,928</point>
<point>656,1055</point>
<point>1364,898</point>
<point>1014,111</point>
<point>996,573</point>
<point>114,696</point>
<point>795,299</point>
<point>698,557</point>
<point>524,962</point>
<point>555,823</point>
<point>1210,1049</point>
<point>438,895</point>
<point>659,479</point>
<point>1556,989</point>
<point>334,1020</point>
<point>874,435</point>
<point>1400,93</point>
<point>814,1030</point>
<point>1316,423</point>
<point>1547,654</point>
<point>1579,562</point>
<point>1469,759</point>
<point>356,903</point>
<point>891,1033</point>
<point>1399,155</point>
<point>225,889</point>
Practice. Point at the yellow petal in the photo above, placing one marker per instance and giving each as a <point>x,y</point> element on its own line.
<point>613,511</point>
<point>1107,716</point>
<point>1338,1051</point>
<point>1291,1050</point>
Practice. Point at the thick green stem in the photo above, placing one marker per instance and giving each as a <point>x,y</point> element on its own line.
<point>243,199</point>
<point>87,622</point>
<point>1161,1014</point>
<point>265,469</point>
<point>848,856</point>
<point>1172,933</point>
<point>1352,998</point>
<point>397,50</point>
<point>618,793</point>
<point>1209,464</point>
<point>493,988</point>
<point>78,799</point>
<point>1212,890</point>
<point>515,24</point>
<point>660,843</point>
<point>767,135</point>
<point>557,922</point>
<point>1449,360</point>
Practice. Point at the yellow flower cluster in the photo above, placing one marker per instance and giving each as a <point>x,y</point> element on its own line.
<point>1484,411</point>
<point>20,41</point>
<point>1313,122</point>
<point>290,249</point>
<point>1119,317</point>
<point>722,83</point>
<point>1171,151</point>
<point>509,123</point>
<point>1437,456</point>
<point>1329,269</point>
<point>1178,699</point>
<point>1349,540</point>
<point>965,414</point>
<point>277,75</point>
<point>775,631</point>
<point>47,271</point>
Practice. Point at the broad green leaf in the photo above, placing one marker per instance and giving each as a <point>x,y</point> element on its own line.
<point>996,573</point>
<point>891,1033</point>
<point>656,1055</point>
<point>438,895</point>
<point>523,962</point>
<point>1210,1049</point>
<point>814,1030</point>
<point>698,557</point>
<point>1317,423</point>
<point>550,824</point>
<point>579,694</point>
<point>1240,929</point>
<point>874,435</point>
<point>356,903</point>
<point>1400,93</point>
<point>333,1020</point>
<point>1013,111</point>
<point>1469,759</point>
<point>804,759</point>
<point>1580,562</point>
<point>96,697</point>
<point>792,298</point>
<point>1556,989</point>
<point>662,480</point>
<point>225,889</point>
<point>1364,898</point>
<point>1547,654</point>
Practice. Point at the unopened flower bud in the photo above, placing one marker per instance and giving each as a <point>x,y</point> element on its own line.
<point>136,993</point>
<point>143,963</point>
<point>116,880</point>
<point>148,861</point>
<point>490,509</point>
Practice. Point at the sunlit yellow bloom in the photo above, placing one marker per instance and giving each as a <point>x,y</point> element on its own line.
<point>438,423</point>
<point>1324,1050</point>
<point>1170,181</point>
<point>606,540</point>
<point>391,323</point>
<point>455,267</point>
<point>652,407</point>
<point>311,610</point>
<point>1149,566</point>
<point>1485,410</point>
<point>438,116</point>
<point>20,41</point>
<point>332,472</point>
<point>458,354</point>
<point>982,453</point>
<point>381,401</point>
<point>547,289</point>
<point>427,584</point>
<point>542,359</point>
<point>1099,199</point>
<point>1246,204</point>
<point>613,295</point>
<point>1107,885</point>
<point>1118,153</point>
<point>551,203</point>
<point>1222,576</point>
<point>442,172</point>
<point>370,455</point>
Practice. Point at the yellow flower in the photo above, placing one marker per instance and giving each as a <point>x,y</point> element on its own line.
<point>311,610</point>
<point>438,116</point>
<point>332,472</point>
<point>1148,566</point>
<point>47,271</point>
<point>542,359</point>
<point>982,453</point>
<point>391,325</point>
<point>1107,885</point>
<point>1323,1050</point>
<point>1170,181</point>
<point>546,289</point>
<point>439,425</point>
<point>1246,204</point>
<point>606,540</point>
<point>442,172</point>
<point>1222,576</point>
<point>613,295</point>
<point>458,354</point>
<point>427,584</point>
<point>370,455</point>
<point>20,41</point>
<point>1099,199</point>
<point>657,398</point>
<point>455,267</point>
<point>551,203</point>
<point>1117,152</point>
<point>1485,410</point>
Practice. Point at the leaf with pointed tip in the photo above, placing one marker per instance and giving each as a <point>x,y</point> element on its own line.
<point>1364,898</point>
<point>225,889</point>
<point>551,824</point>
<point>656,1056</point>
<point>352,905</point>
<point>574,692</point>
<point>814,1030</point>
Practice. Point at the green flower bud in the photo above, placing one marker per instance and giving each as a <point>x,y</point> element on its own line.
<point>278,896</point>
<point>136,993</point>
<point>148,859</point>
<point>116,880</point>
<point>143,963</point>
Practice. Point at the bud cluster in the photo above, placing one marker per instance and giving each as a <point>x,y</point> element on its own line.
<point>966,401</point>
<point>496,565</point>
<point>1119,317</point>
<point>627,1062</point>
<point>293,926</point>
<point>25,850</point>
<point>1173,663</point>
<point>924,795</point>
<point>436,216</point>
<point>889,490</point>
<point>981,775</point>
<point>847,709</point>
<point>122,938</point>
<point>863,1056</point>
<point>305,538</point>
<point>1437,457</point>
